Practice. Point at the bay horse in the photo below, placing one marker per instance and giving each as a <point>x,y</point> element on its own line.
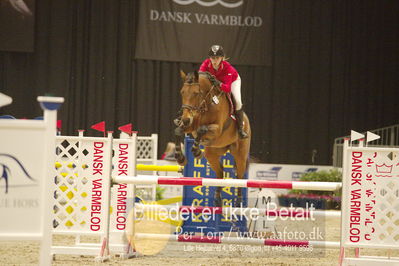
<point>205,113</point>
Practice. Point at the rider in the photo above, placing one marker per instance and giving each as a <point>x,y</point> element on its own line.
<point>217,65</point>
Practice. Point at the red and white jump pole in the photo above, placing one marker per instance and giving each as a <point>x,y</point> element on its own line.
<point>236,240</point>
<point>190,181</point>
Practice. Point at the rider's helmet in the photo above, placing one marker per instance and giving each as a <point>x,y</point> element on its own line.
<point>216,50</point>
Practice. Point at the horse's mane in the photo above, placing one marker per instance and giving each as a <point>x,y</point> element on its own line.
<point>192,77</point>
<point>211,78</point>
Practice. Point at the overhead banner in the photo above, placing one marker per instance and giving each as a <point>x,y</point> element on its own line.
<point>184,30</point>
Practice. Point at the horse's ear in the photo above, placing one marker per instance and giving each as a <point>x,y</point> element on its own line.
<point>182,75</point>
<point>196,75</point>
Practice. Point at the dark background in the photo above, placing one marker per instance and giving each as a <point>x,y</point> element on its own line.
<point>17,27</point>
<point>335,68</point>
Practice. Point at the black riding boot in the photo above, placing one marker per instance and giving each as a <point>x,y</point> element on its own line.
<point>240,124</point>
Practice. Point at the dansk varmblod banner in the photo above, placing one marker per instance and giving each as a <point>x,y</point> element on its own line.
<point>183,30</point>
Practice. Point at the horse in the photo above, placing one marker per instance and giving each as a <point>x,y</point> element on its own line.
<point>206,115</point>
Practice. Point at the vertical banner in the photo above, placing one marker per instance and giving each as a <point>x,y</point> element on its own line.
<point>183,30</point>
<point>370,197</point>
<point>122,194</point>
<point>204,195</point>
<point>94,180</point>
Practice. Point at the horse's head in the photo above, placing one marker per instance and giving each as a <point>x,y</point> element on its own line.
<point>194,95</point>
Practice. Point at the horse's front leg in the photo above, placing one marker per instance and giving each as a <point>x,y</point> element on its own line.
<point>179,135</point>
<point>195,149</point>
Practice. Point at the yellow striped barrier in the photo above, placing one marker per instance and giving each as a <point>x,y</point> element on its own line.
<point>154,214</point>
<point>141,167</point>
<point>166,168</point>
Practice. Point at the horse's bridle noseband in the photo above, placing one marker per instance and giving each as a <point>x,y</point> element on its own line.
<point>203,106</point>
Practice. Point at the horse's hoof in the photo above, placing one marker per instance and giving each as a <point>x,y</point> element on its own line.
<point>181,159</point>
<point>182,162</point>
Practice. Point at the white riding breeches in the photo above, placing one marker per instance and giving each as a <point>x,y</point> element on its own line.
<point>236,91</point>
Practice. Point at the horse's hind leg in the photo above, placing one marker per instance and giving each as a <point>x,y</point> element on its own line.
<point>240,153</point>
<point>213,157</point>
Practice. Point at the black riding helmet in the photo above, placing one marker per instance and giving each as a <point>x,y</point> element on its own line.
<point>216,50</point>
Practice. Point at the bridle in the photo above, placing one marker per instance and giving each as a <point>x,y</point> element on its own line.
<point>203,106</point>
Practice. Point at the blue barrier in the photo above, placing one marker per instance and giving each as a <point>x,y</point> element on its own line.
<point>204,196</point>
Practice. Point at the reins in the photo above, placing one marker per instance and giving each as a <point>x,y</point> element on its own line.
<point>203,106</point>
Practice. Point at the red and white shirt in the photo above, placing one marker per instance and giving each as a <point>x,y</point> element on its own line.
<point>226,73</point>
